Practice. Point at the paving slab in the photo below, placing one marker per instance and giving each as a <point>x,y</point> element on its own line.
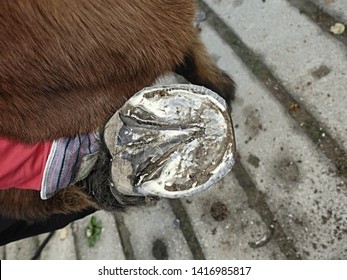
<point>155,233</point>
<point>60,247</point>
<point>21,250</point>
<point>225,225</point>
<point>108,247</point>
<point>2,253</point>
<point>310,63</point>
<point>300,184</point>
<point>337,8</point>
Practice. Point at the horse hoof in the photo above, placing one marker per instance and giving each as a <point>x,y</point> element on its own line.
<point>170,141</point>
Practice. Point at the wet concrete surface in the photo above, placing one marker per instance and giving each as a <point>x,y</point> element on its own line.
<point>286,198</point>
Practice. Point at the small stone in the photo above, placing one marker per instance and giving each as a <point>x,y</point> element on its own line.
<point>63,234</point>
<point>337,28</point>
<point>293,107</point>
<point>177,224</point>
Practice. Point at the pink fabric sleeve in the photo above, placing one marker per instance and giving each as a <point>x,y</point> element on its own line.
<point>22,165</point>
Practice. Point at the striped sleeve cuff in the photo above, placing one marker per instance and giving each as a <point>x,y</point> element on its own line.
<point>70,160</point>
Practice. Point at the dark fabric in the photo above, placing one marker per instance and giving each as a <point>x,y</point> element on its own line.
<point>13,230</point>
